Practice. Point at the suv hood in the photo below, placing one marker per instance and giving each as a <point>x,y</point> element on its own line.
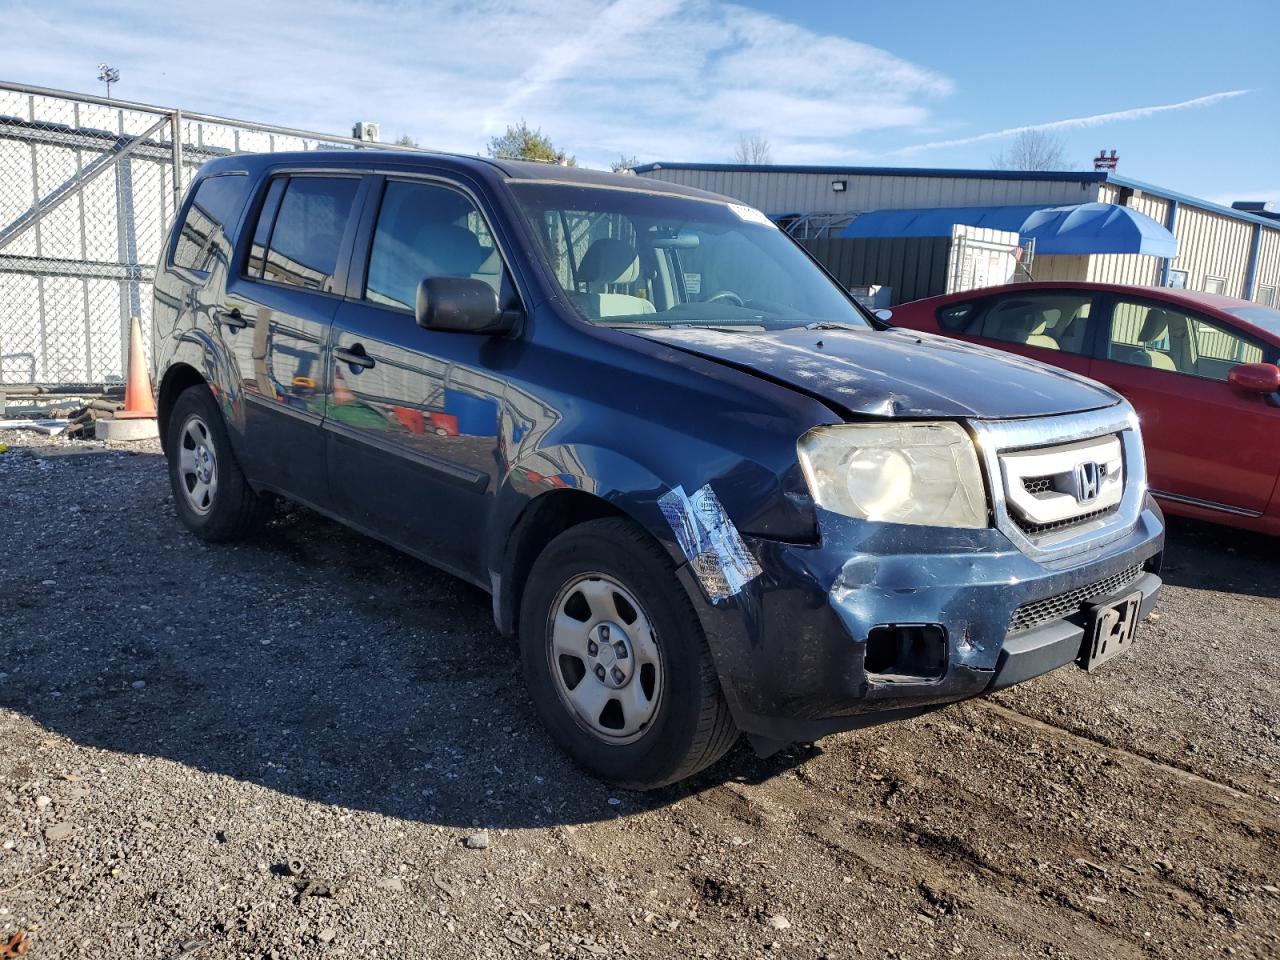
<point>895,373</point>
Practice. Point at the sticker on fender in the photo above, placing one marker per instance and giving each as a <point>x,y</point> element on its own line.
<point>709,539</point>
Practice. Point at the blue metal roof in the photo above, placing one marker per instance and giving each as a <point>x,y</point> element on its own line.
<point>1045,176</point>
<point>1075,229</point>
<point>1059,176</point>
<point>936,221</point>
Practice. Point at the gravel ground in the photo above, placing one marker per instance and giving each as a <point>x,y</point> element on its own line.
<point>179,722</point>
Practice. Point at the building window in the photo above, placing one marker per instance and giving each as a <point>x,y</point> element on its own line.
<point>1266,295</point>
<point>1215,285</point>
<point>1178,279</point>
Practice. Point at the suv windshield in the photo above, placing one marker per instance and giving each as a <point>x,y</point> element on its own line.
<point>627,257</point>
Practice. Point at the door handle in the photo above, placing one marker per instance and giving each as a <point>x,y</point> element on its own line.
<point>354,356</point>
<point>233,318</point>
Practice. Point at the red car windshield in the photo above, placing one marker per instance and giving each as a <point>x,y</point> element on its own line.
<point>1267,318</point>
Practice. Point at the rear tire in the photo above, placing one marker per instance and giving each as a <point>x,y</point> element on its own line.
<point>616,661</point>
<point>210,493</point>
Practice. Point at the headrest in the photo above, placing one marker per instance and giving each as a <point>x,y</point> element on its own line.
<point>450,251</point>
<point>1039,329</point>
<point>609,260</point>
<point>1155,326</point>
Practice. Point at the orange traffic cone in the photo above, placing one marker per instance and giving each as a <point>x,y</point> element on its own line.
<point>139,404</point>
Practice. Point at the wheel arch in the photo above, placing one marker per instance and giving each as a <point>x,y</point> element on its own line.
<point>176,379</point>
<point>543,519</point>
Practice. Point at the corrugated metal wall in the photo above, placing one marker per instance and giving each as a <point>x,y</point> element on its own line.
<point>784,192</point>
<point>1157,208</point>
<point>1212,245</point>
<point>1269,265</point>
<point>914,267</point>
<point>1124,268</point>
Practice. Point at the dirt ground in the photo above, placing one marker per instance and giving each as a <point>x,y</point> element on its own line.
<point>180,721</point>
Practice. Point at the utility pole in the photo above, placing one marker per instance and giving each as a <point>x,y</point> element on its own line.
<point>108,75</point>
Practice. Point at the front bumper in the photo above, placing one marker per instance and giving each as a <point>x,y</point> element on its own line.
<point>791,647</point>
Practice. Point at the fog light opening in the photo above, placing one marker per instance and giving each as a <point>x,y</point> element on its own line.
<point>906,652</point>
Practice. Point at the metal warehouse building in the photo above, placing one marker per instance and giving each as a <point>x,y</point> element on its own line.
<point>892,225</point>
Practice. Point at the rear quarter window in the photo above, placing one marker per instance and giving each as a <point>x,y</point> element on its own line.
<point>204,241</point>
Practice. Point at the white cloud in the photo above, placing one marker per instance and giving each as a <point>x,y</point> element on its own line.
<point>661,79</point>
<point>1098,119</point>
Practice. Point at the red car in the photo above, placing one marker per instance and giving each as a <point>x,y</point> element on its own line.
<point>1199,368</point>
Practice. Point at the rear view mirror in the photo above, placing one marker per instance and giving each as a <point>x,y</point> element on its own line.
<point>884,315</point>
<point>462,305</point>
<point>1255,377</point>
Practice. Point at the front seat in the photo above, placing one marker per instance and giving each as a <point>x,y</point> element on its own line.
<point>609,262</point>
<point>1154,328</point>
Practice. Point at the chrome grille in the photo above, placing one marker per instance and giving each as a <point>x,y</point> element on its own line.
<point>1041,484</point>
<point>1035,613</point>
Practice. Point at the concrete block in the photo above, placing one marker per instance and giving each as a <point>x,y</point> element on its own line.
<point>141,429</point>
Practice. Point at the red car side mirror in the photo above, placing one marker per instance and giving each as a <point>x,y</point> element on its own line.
<point>1255,377</point>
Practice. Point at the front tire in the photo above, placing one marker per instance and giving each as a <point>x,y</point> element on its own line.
<point>616,661</point>
<point>210,493</point>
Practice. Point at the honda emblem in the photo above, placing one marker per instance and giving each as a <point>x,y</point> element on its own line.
<point>1088,481</point>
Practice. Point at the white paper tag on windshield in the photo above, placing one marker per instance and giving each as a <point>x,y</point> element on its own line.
<point>751,215</point>
<point>693,284</point>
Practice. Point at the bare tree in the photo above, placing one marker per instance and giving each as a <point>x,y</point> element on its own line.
<point>752,148</point>
<point>624,163</point>
<point>1033,150</point>
<point>406,141</point>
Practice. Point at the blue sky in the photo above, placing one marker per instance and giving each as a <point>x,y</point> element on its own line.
<point>1186,90</point>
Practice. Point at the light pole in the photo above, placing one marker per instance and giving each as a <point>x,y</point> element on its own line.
<point>108,75</point>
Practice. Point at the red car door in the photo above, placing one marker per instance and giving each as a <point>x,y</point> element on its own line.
<point>1208,443</point>
<point>1047,325</point>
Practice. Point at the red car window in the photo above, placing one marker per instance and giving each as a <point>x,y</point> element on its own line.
<point>1052,320</point>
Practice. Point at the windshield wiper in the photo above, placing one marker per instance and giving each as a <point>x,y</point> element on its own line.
<point>833,325</point>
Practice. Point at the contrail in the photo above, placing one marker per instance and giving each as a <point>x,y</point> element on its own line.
<point>1096,120</point>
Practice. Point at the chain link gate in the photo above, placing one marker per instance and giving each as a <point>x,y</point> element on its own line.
<point>87,192</point>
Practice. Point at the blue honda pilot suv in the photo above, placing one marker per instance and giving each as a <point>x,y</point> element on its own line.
<point>708,492</point>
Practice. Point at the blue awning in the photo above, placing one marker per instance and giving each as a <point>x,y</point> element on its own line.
<point>1083,228</point>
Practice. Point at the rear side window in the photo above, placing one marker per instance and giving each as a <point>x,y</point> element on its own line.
<point>306,236</point>
<point>1051,321</point>
<point>203,241</point>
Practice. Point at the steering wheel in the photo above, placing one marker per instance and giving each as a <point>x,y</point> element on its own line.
<point>728,296</point>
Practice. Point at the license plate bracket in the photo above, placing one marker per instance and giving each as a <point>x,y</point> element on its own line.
<point>1111,629</point>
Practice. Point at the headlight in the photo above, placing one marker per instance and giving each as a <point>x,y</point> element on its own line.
<point>918,473</point>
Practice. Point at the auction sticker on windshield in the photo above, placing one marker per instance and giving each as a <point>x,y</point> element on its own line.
<point>751,215</point>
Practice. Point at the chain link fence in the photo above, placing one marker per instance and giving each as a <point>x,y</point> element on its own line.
<point>88,187</point>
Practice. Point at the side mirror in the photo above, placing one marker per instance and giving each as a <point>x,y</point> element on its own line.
<point>1255,377</point>
<point>883,314</point>
<point>462,305</point>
